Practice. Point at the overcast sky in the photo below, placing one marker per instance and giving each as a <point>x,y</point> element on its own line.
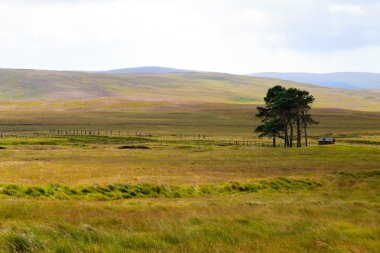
<point>235,36</point>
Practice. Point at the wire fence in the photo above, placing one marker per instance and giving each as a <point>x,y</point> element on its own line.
<point>180,138</point>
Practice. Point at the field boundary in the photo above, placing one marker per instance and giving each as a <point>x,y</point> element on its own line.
<point>144,137</point>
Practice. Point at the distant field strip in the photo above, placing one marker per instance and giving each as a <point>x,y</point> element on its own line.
<point>127,191</point>
<point>361,142</point>
<point>364,174</point>
<point>75,140</point>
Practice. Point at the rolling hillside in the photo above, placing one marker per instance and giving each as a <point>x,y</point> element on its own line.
<point>346,80</point>
<point>187,86</point>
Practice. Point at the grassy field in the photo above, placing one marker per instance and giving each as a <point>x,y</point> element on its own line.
<point>166,118</point>
<point>171,190</point>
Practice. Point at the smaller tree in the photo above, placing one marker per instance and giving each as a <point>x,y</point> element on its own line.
<point>271,128</point>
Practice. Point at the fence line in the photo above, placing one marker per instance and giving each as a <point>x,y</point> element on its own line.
<point>198,139</point>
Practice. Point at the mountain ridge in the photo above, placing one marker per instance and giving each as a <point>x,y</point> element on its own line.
<point>146,69</point>
<point>348,80</point>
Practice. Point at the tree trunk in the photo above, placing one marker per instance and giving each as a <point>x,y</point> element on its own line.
<point>306,144</point>
<point>274,140</point>
<point>291,136</point>
<point>286,139</point>
<point>298,132</point>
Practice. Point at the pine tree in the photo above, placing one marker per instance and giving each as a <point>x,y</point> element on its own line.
<point>285,111</point>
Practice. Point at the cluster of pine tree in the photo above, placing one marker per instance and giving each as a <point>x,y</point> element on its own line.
<point>286,115</point>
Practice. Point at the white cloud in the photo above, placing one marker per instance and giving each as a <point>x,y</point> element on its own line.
<point>347,9</point>
<point>237,36</point>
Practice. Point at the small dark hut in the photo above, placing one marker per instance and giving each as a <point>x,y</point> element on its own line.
<point>326,141</point>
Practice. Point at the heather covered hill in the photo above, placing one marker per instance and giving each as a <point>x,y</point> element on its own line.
<point>185,86</point>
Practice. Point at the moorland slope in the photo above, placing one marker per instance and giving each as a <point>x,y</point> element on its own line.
<point>185,86</point>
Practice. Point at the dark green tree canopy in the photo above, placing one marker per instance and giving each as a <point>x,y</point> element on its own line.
<point>285,110</point>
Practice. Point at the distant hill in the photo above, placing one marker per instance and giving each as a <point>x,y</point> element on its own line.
<point>346,80</point>
<point>183,86</point>
<point>149,69</point>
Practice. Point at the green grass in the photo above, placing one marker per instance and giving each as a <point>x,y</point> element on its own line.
<point>295,221</point>
<point>85,193</point>
<point>127,191</point>
<point>246,100</point>
<point>72,140</point>
<point>367,142</point>
<point>167,118</point>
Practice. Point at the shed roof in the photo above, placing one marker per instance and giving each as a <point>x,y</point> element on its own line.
<point>326,139</point>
